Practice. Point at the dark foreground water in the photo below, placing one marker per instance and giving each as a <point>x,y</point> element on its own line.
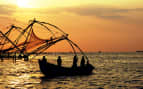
<point>113,71</point>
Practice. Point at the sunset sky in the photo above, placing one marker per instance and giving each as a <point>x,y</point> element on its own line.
<point>95,25</point>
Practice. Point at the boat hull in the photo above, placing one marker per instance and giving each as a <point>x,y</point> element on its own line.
<point>49,69</point>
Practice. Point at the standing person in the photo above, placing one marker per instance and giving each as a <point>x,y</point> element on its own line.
<point>44,59</point>
<point>75,59</point>
<point>59,61</point>
<point>82,63</point>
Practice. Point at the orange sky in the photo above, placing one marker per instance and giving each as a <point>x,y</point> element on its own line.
<point>111,25</point>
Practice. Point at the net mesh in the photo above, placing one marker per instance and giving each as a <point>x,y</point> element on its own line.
<point>32,42</point>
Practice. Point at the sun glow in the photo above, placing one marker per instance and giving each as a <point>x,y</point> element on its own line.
<point>24,3</point>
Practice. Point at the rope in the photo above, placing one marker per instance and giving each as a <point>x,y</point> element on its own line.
<point>78,48</point>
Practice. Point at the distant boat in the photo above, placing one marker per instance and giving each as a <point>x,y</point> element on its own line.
<point>139,51</point>
<point>51,70</point>
<point>99,51</point>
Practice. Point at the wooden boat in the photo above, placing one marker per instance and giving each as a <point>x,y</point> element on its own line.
<point>49,69</point>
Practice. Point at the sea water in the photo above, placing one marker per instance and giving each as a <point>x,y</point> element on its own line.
<point>112,71</point>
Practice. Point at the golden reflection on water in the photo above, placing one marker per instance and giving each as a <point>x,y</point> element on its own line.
<point>112,71</point>
<point>19,75</point>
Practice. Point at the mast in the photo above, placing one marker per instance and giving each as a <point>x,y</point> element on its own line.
<point>10,41</point>
<point>7,34</point>
<point>22,33</point>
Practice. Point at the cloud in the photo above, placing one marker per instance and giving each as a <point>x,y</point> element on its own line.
<point>7,9</point>
<point>102,12</point>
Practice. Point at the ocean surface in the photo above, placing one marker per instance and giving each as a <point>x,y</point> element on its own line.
<point>112,71</point>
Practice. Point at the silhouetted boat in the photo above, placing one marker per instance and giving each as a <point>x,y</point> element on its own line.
<point>139,51</point>
<point>52,70</point>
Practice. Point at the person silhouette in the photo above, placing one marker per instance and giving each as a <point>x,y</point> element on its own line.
<point>59,61</point>
<point>44,59</point>
<point>75,59</point>
<point>82,63</point>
